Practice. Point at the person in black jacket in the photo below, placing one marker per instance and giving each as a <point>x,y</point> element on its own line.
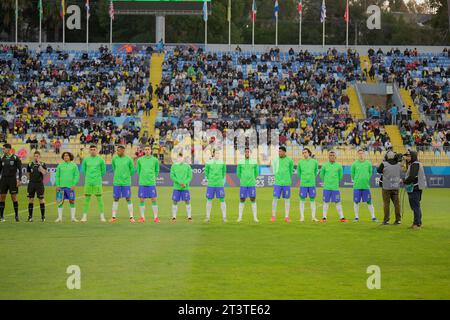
<point>415,182</point>
<point>10,167</point>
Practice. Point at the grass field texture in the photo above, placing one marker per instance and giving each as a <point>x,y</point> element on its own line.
<point>226,261</point>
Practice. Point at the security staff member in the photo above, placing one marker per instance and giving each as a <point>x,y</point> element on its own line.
<point>391,170</point>
<point>415,182</point>
<point>10,165</point>
<point>36,171</point>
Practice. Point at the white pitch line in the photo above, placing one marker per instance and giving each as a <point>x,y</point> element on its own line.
<point>48,205</point>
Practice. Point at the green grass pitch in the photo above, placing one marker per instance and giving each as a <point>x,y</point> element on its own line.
<point>233,261</point>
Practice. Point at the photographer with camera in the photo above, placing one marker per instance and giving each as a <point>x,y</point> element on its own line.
<point>390,169</point>
<point>415,182</point>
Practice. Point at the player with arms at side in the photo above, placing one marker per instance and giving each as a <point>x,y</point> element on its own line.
<point>215,173</point>
<point>36,171</point>
<point>10,167</point>
<point>361,172</point>
<point>147,168</point>
<point>331,174</point>
<point>181,175</point>
<point>307,170</point>
<point>247,172</point>
<point>283,169</point>
<point>93,168</point>
<point>67,177</point>
<point>123,169</point>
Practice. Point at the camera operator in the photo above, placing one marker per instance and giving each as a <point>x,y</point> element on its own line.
<point>390,169</point>
<point>415,182</point>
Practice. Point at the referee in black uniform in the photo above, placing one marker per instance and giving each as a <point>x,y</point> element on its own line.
<point>10,165</point>
<point>36,171</point>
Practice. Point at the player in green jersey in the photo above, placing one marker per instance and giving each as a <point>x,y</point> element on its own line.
<point>361,172</point>
<point>93,168</point>
<point>283,169</point>
<point>331,174</point>
<point>147,168</point>
<point>123,169</point>
<point>247,172</point>
<point>181,175</point>
<point>67,177</point>
<point>215,173</point>
<point>307,170</point>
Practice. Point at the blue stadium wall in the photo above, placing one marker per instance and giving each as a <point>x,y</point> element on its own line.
<point>437,177</point>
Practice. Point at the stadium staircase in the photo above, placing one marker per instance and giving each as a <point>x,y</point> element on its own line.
<point>396,139</point>
<point>148,122</point>
<point>362,60</point>
<point>408,101</point>
<point>355,106</point>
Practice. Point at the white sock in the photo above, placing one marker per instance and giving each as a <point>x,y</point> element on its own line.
<point>241,209</point>
<point>130,210</point>
<point>325,210</point>
<point>72,213</point>
<point>102,216</point>
<point>254,209</point>
<point>155,211</point>
<point>302,209</point>
<point>339,210</point>
<point>60,212</point>
<point>372,210</point>
<point>115,206</point>
<point>188,209</point>
<point>356,210</point>
<point>142,211</point>
<point>313,209</point>
<point>287,206</point>
<point>174,210</point>
<point>274,207</point>
<point>223,207</point>
<point>208,209</point>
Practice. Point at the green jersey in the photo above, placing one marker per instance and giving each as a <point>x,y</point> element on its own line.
<point>247,172</point>
<point>147,169</point>
<point>361,172</point>
<point>123,169</point>
<point>181,173</point>
<point>331,175</point>
<point>307,170</point>
<point>93,168</point>
<point>67,175</point>
<point>215,172</point>
<point>283,169</point>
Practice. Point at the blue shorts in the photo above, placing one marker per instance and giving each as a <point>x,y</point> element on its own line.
<point>331,195</point>
<point>363,195</point>
<point>305,191</point>
<point>215,192</point>
<point>145,192</point>
<point>181,195</point>
<point>247,192</point>
<point>284,191</point>
<point>68,194</point>
<point>121,192</point>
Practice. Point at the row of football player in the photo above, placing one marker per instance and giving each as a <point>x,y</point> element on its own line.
<point>94,168</point>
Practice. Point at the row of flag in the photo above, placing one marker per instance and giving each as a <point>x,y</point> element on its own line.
<point>62,11</point>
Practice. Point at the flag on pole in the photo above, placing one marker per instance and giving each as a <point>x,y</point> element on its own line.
<point>205,11</point>
<point>323,12</point>
<point>111,10</point>
<point>300,7</point>
<point>62,12</point>
<point>41,9</point>
<point>253,13</point>
<point>88,9</point>
<point>229,11</point>
<point>347,13</point>
<point>276,8</point>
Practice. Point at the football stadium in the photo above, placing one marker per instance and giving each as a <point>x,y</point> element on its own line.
<point>225,150</point>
